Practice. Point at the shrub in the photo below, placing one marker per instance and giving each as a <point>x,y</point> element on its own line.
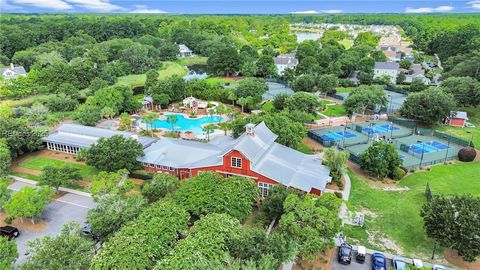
<point>398,173</point>
<point>467,154</point>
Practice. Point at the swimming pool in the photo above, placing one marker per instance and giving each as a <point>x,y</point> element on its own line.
<point>187,124</point>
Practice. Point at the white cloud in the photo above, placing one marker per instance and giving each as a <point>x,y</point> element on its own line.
<point>50,4</point>
<point>96,5</point>
<point>145,9</point>
<point>7,6</point>
<point>429,9</point>
<point>329,11</point>
<point>332,11</point>
<point>475,4</point>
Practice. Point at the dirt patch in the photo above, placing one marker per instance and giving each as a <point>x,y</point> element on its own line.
<point>396,189</point>
<point>375,238</point>
<point>26,225</point>
<point>452,257</point>
<point>59,194</point>
<point>322,262</point>
<point>312,144</point>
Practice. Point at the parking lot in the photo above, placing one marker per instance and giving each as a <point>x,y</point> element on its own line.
<point>70,207</point>
<point>367,265</point>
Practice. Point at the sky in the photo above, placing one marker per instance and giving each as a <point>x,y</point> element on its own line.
<point>239,6</point>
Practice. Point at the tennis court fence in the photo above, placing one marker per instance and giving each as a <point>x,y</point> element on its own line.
<point>453,139</point>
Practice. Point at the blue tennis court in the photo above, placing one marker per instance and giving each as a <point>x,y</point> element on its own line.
<point>379,129</point>
<point>337,136</point>
<point>428,147</point>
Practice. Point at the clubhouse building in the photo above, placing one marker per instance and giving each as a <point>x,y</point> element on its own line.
<point>255,155</point>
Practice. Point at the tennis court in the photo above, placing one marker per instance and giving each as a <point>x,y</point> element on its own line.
<point>382,128</point>
<point>428,147</point>
<point>328,136</point>
<point>337,136</point>
<point>379,129</point>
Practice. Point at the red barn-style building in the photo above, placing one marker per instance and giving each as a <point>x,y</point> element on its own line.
<point>458,119</point>
<point>255,155</point>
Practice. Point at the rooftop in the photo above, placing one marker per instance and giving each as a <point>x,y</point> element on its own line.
<point>387,65</point>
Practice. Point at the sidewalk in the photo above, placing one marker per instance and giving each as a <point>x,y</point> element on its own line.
<point>34,183</point>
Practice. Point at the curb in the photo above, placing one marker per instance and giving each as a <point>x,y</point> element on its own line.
<point>69,190</point>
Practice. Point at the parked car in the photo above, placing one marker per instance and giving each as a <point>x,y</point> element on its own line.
<point>361,252</point>
<point>438,267</point>
<point>399,263</point>
<point>345,253</point>
<point>379,262</point>
<point>9,231</point>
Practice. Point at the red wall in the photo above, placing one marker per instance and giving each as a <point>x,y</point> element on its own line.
<point>457,122</point>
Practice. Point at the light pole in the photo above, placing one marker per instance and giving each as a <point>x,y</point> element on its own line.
<point>391,130</point>
<point>471,139</point>
<point>448,147</point>
<point>423,151</point>
<point>343,139</point>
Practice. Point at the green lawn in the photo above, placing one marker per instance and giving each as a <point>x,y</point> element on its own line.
<point>474,118</point>
<point>398,212</point>
<point>37,163</point>
<point>221,81</point>
<point>335,110</point>
<point>304,149</point>
<point>138,80</point>
<point>344,89</point>
<point>325,102</point>
<point>267,106</point>
<point>194,60</point>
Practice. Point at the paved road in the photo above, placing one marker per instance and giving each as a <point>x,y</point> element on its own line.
<point>67,208</point>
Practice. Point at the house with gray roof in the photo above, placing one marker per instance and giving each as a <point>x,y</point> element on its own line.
<point>184,50</point>
<point>255,155</point>
<point>284,61</point>
<point>12,72</point>
<point>70,138</point>
<point>389,69</point>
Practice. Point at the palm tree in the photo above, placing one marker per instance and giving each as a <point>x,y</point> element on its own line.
<point>242,101</point>
<point>232,97</point>
<point>225,126</point>
<point>149,119</point>
<point>208,129</point>
<point>172,119</point>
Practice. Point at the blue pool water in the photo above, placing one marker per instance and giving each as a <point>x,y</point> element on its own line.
<point>187,124</point>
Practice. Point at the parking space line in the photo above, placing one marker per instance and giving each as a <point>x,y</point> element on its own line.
<point>75,204</point>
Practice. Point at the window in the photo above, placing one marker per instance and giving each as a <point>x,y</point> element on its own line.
<point>263,188</point>
<point>236,162</point>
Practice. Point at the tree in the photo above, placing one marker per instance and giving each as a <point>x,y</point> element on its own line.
<point>29,202</point>
<point>159,186</point>
<point>365,97</point>
<point>251,87</point>
<point>5,193</point>
<point>151,79</point>
<point>305,102</point>
<point>453,223</point>
<point>68,250</point>
<point>110,183</point>
<point>112,211</point>
<point>161,99</point>
<point>162,225</point>
<point>87,114</point>
<point>125,122</point>
<point>272,205</point>
<point>172,119</point>
<point>311,224</point>
<point>5,112</point>
<point>55,177</point>
<point>327,83</point>
<point>417,85</point>
<point>304,83</point>
<point>61,103</point>
<point>337,162</point>
<point>279,101</point>
<point>242,102</point>
<point>37,113</point>
<point>208,129</point>
<point>365,77</point>
<point>465,90</point>
<point>225,126</point>
<point>429,106</point>
<point>107,113</point>
<point>150,119</point>
<point>114,153</point>
<point>380,159</point>
<point>401,77</point>
<point>265,66</point>
<point>405,64</point>
<point>209,193</point>
<point>224,61</point>
<point>8,253</point>
<point>5,157</point>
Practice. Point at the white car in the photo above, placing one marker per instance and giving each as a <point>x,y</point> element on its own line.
<point>417,263</point>
<point>438,267</point>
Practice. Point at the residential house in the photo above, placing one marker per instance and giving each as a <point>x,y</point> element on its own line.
<point>185,51</point>
<point>70,138</point>
<point>12,72</point>
<point>254,155</point>
<point>386,68</point>
<point>284,61</point>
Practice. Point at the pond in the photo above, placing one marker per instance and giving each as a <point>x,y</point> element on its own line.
<point>302,36</point>
<point>196,72</point>
<point>187,124</point>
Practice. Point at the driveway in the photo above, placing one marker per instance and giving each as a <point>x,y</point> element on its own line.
<point>70,207</point>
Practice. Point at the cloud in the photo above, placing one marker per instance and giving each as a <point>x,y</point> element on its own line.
<point>50,4</point>
<point>429,9</point>
<point>145,9</point>
<point>96,5</point>
<point>7,6</point>
<point>329,11</point>
<point>475,4</point>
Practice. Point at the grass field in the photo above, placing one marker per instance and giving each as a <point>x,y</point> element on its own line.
<point>221,80</point>
<point>344,89</point>
<point>474,118</point>
<point>194,60</point>
<point>138,80</point>
<point>23,102</point>
<point>302,147</point>
<point>335,110</point>
<point>347,43</point>
<point>395,215</point>
<point>37,163</point>
<point>267,106</point>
